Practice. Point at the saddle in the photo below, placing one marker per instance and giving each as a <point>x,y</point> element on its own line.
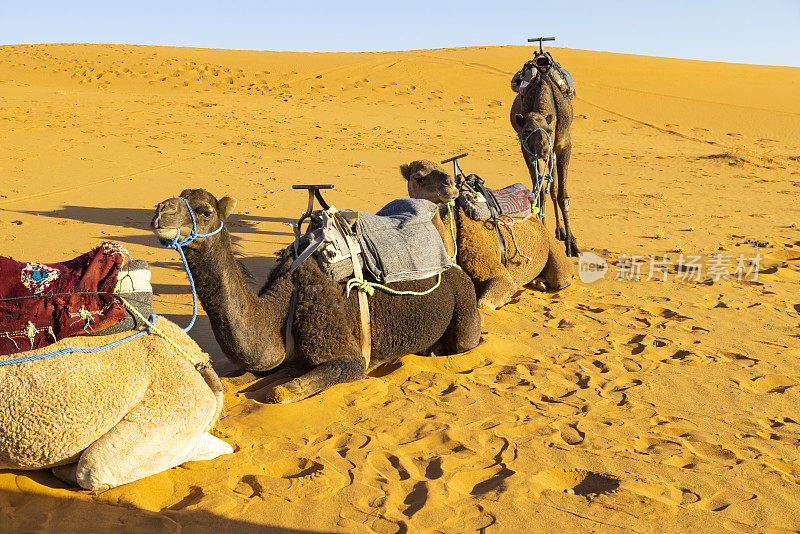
<point>524,78</point>
<point>397,243</point>
<point>482,204</point>
<point>43,303</point>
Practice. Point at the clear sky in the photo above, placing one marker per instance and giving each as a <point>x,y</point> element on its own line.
<point>755,31</point>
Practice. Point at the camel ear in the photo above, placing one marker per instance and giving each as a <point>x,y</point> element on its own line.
<point>549,119</point>
<point>226,206</point>
<point>405,170</point>
<point>520,120</point>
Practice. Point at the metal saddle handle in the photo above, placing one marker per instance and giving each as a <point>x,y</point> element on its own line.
<point>458,174</point>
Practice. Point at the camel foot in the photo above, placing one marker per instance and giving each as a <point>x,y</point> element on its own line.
<point>485,304</point>
<point>540,285</point>
<point>572,247</point>
<point>285,393</point>
<point>67,473</point>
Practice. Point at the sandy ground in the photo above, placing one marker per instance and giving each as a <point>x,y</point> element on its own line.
<point>641,405</point>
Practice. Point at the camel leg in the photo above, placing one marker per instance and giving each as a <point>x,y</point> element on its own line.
<point>496,291</point>
<point>321,377</point>
<point>150,438</point>
<point>464,331</point>
<point>562,162</point>
<point>557,272</point>
<point>557,214</point>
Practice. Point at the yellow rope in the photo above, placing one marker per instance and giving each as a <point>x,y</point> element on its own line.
<point>450,206</point>
<point>369,287</point>
<point>156,331</point>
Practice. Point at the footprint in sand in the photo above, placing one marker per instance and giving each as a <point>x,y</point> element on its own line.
<point>480,481</point>
<point>571,435</point>
<point>768,384</point>
<point>723,499</point>
<point>575,481</point>
<point>292,479</point>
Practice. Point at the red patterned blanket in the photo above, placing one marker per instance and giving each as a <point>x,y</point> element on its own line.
<point>39,304</point>
<point>514,200</point>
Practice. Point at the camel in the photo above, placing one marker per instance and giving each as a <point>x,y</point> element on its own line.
<point>544,108</point>
<point>478,251</point>
<point>324,344</point>
<point>104,419</point>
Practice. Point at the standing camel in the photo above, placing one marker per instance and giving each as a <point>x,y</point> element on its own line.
<point>324,340</point>
<point>532,256</point>
<point>543,109</point>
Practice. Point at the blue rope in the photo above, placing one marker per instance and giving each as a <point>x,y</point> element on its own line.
<point>539,177</point>
<point>176,244</point>
<point>76,349</point>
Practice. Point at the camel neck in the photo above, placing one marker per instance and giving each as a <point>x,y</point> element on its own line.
<point>441,220</point>
<point>247,328</point>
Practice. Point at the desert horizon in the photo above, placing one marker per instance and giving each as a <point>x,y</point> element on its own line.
<point>647,400</point>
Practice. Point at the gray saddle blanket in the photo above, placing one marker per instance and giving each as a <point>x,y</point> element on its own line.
<point>398,243</point>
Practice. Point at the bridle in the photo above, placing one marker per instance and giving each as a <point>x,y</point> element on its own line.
<point>177,244</point>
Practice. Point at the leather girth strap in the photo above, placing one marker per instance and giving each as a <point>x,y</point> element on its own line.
<point>363,304</point>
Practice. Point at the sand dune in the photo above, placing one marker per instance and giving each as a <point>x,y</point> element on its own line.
<point>642,405</point>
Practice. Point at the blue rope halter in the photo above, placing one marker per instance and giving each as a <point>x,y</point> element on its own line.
<point>177,244</point>
<point>539,177</point>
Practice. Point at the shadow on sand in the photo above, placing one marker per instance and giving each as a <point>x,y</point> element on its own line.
<point>35,512</point>
<point>139,219</point>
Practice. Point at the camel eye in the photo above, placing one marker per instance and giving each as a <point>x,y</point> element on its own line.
<point>206,213</point>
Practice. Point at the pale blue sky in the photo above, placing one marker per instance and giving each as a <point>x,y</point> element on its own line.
<point>761,31</point>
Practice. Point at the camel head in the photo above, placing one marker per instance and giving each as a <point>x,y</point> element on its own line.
<point>429,181</point>
<point>538,142</point>
<point>172,217</point>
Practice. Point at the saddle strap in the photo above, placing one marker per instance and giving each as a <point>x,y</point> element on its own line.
<point>363,304</point>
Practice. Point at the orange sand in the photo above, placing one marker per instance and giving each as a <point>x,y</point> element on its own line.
<point>648,405</point>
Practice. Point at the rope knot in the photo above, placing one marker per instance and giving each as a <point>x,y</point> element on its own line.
<point>361,285</point>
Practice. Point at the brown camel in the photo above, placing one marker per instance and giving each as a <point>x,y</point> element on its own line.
<point>544,108</point>
<point>478,249</point>
<point>325,327</point>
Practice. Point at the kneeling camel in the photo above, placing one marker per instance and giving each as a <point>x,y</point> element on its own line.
<point>325,339</point>
<point>111,417</point>
<point>531,254</point>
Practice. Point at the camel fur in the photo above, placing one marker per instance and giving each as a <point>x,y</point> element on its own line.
<point>324,345</point>
<point>478,248</point>
<point>111,417</point>
<point>534,109</point>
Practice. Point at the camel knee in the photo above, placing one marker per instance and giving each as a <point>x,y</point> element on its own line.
<point>318,379</point>
<point>95,479</point>
<point>496,292</point>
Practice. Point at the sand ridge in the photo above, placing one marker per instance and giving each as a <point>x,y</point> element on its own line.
<point>618,405</point>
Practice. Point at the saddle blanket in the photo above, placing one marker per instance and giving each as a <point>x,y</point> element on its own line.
<point>397,243</point>
<point>514,201</point>
<point>42,303</point>
<point>524,78</point>
<point>400,242</point>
